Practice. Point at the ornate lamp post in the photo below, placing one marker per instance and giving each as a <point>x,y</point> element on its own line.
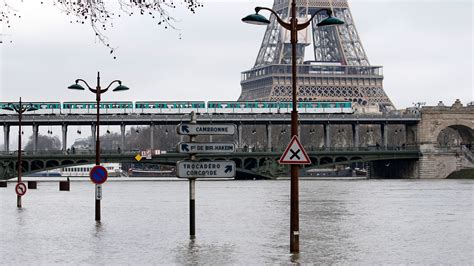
<point>97,91</point>
<point>20,108</point>
<point>293,26</point>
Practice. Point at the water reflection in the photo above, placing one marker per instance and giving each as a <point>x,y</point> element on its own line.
<point>98,229</point>
<point>196,253</point>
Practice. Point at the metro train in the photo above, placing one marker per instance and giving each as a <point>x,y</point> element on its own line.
<point>184,107</point>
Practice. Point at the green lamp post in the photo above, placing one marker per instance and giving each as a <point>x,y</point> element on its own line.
<point>97,91</point>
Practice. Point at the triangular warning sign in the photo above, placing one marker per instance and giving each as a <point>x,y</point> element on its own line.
<point>295,153</point>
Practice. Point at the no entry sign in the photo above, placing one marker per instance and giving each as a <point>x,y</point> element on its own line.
<point>98,174</point>
<point>20,189</point>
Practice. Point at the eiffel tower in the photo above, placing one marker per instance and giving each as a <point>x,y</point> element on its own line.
<point>340,70</point>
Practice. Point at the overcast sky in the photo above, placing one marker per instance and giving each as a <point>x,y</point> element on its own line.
<point>425,48</point>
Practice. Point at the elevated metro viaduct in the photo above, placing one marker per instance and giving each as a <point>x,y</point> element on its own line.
<point>267,133</point>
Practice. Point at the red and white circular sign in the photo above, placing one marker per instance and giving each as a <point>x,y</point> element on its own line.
<point>20,189</point>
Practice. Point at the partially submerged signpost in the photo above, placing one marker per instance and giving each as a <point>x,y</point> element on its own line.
<point>192,169</point>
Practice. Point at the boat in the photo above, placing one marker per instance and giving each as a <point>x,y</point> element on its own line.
<point>133,172</point>
<point>113,169</point>
<point>48,173</point>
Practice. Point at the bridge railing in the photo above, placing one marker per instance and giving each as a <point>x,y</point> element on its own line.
<point>311,69</point>
<point>244,150</point>
<point>173,119</point>
<point>78,152</point>
<point>339,149</point>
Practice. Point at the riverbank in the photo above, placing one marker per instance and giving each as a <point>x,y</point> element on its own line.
<point>462,174</point>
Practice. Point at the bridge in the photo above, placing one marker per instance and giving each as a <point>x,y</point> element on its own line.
<point>263,128</point>
<point>432,142</point>
<point>257,164</point>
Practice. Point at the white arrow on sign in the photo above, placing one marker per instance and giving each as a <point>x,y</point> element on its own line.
<point>194,147</point>
<point>295,153</point>
<point>190,169</point>
<point>212,129</point>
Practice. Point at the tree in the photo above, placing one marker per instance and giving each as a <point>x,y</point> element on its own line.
<point>45,143</point>
<point>100,14</point>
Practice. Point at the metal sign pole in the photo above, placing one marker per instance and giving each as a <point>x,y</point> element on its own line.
<point>192,188</point>
<point>97,145</point>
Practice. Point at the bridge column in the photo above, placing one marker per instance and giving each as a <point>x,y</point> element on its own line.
<point>35,137</point>
<point>6,138</point>
<point>384,129</point>
<point>64,129</point>
<point>152,133</point>
<point>355,135</point>
<point>327,135</point>
<point>269,137</point>
<point>240,130</point>
<point>93,130</point>
<point>411,137</point>
<point>122,133</point>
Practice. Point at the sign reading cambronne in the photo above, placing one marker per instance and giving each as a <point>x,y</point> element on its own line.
<point>213,129</point>
<point>195,147</point>
<point>191,169</point>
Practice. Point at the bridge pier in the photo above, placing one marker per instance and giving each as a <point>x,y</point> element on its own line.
<point>327,135</point>
<point>93,131</point>
<point>269,137</point>
<point>122,140</point>
<point>64,135</point>
<point>438,163</point>
<point>152,134</point>
<point>35,137</point>
<point>6,138</point>
<point>355,135</point>
<point>411,134</point>
<point>384,133</point>
<point>240,131</point>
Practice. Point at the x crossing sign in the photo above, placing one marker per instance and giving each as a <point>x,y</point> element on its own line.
<point>295,153</point>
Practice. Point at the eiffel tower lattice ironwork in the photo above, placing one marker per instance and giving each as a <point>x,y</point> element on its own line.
<point>340,70</point>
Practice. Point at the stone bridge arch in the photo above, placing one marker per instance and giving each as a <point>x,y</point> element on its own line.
<point>455,134</point>
<point>436,119</point>
<point>440,157</point>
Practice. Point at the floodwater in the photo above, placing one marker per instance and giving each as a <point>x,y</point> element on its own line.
<point>241,222</point>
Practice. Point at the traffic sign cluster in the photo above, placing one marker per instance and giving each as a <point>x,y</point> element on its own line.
<point>196,169</point>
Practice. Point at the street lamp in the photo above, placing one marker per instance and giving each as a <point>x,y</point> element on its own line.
<point>293,26</point>
<point>20,108</point>
<point>97,91</point>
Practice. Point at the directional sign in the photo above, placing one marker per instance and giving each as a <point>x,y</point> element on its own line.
<point>212,129</point>
<point>190,169</point>
<point>20,189</point>
<point>98,174</point>
<point>194,147</point>
<point>295,153</point>
<point>98,192</point>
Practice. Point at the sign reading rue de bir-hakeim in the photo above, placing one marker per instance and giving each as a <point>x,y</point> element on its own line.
<point>196,147</point>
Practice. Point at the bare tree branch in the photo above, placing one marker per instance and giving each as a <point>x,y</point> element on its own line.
<point>100,13</point>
